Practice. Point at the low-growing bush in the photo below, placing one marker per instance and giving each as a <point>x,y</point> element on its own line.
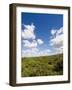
<point>42,66</point>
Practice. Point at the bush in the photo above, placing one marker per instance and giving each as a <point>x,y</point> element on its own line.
<point>58,67</point>
<point>42,66</point>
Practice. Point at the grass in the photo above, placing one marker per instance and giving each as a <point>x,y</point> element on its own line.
<point>42,66</point>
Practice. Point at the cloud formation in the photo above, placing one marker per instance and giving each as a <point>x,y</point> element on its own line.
<point>29,41</point>
<point>39,41</point>
<point>57,41</point>
<point>28,32</point>
<point>53,31</point>
<point>31,44</point>
<point>28,44</point>
<point>34,52</point>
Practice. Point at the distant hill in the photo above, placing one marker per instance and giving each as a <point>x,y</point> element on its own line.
<point>42,66</point>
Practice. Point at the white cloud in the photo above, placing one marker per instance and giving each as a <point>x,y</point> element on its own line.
<point>28,32</point>
<point>39,41</point>
<point>31,44</point>
<point>28,44</point>
<point>35,52</point>
<point>60,31</point>
<point>53,31</point>
<point>29,37</point>
<point>45,52</point>
<point>57,41</point>
<point>60,50</point>
<point>30,52</point>
<point>48,50</point>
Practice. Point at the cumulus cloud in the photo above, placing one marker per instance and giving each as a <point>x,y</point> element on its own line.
<point>28,44</point>
<point>39,41</point>
<point>53,31</point>
<point>35,52</point>
<point>31,44</point>
<point>30,52</point>
<point>45,52</point>
<point>29,38</point>
<point>28,32</point>
<point>57,41</point>
<point>60,31</point>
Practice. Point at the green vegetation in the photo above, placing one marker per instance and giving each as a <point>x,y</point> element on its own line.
<point>42,66</point>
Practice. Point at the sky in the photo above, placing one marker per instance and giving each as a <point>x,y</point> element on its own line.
<point>42,34</point>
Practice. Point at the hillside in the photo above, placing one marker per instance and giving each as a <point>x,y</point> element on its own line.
<point>42,66</point>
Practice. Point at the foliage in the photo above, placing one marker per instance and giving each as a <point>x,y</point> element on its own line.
<point>42,66</point>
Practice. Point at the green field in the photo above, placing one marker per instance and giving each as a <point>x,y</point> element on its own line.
<point>42,66</point>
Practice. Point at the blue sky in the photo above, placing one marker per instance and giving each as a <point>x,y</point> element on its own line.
<point>44,25</point>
